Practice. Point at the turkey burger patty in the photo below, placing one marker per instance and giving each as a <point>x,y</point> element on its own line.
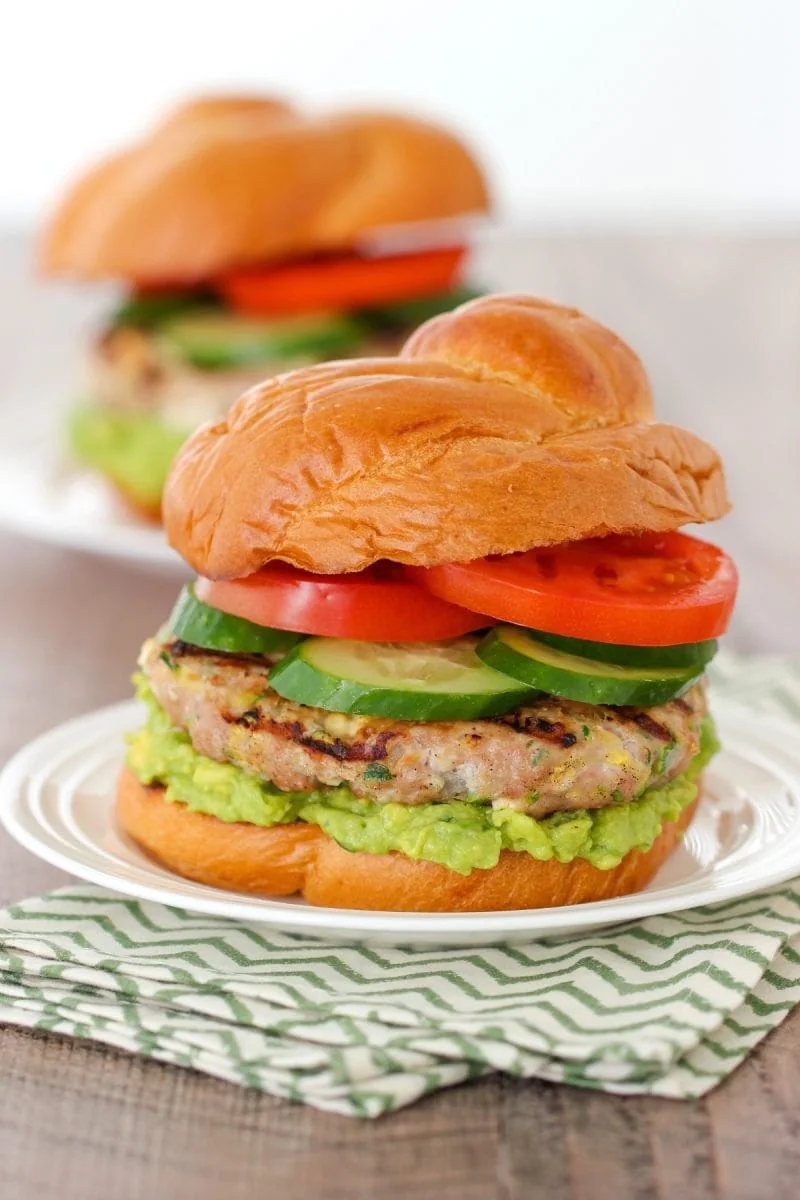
<point>133,370</point>
<point>554,755</point>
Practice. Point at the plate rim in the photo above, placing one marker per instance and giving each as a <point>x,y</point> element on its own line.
<point>117,538</point>
<point>302,918</point>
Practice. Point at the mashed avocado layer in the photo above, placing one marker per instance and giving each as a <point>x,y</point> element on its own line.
<point>458,834</point>
<point>135,449</point>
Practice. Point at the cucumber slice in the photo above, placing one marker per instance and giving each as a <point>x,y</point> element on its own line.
<point>215,341</point>
<point>150,311</point>
<point>200,625</point>
<point>518,654</point>
<point>414,681</point>
<point>691,654</point>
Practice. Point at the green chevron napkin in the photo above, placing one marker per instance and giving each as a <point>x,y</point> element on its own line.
<point>667,1006</point>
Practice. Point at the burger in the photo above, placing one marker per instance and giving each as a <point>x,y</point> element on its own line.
<point>446,646</point>
<point>244,234</point>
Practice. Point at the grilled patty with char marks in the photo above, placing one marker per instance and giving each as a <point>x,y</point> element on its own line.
<point>553,755</point>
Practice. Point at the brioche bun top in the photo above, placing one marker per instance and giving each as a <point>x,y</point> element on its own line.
<point>228,181</point>
<point>507,424</point>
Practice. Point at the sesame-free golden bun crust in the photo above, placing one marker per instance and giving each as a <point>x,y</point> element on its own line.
<point>229,181</point>
<point>507,424</point>
<point>284,860</point>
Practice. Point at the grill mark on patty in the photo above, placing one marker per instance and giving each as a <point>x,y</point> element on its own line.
<point>250,719</point>
<point>538,727</point>
<point>181,649</point>
<point>374,750</point>
<point>646,723</point>
<point>366,751</point>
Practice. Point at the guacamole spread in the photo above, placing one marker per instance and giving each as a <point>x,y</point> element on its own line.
<point>135,449</point>
<point>460,835</point>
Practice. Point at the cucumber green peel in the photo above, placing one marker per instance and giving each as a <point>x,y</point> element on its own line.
<point>690,654</point>
<point>219,340</point>
<point>517,653</point>
<point>150,311</point>
<point>198,624</point>
<point>442,681</point>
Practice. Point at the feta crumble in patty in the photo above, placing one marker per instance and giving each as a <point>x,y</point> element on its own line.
<point>553,755</point>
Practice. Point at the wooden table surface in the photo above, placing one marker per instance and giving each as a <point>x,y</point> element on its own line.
<point>718,323</point>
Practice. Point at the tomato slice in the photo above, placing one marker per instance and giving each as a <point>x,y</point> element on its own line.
<point>341,283</point>
<point>654,590</point>
<point>376,605</point>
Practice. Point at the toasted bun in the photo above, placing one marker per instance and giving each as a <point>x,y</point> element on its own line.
<point>287,859</point>
<point>507,424</point>
<point>229,181</point>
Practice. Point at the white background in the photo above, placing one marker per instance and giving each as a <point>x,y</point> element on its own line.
<point>588,112</point>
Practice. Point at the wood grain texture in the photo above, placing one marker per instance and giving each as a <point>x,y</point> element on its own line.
<point>717,321</point>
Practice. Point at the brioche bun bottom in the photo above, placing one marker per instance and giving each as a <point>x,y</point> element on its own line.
<point>283,860</point>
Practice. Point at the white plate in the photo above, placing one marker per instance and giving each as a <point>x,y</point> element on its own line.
<point>56,799</point>
<point>43,497</point>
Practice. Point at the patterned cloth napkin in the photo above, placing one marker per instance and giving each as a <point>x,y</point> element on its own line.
<point>667,1006</point>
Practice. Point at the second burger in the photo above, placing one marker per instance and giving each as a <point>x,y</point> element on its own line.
<point>237,227</point>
